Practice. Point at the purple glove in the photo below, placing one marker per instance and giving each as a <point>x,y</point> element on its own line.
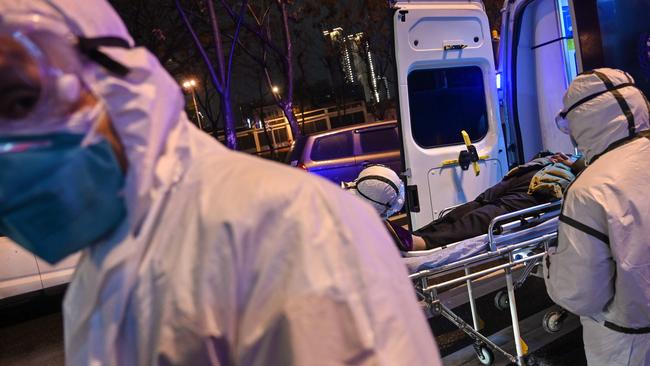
<point>402,237</point>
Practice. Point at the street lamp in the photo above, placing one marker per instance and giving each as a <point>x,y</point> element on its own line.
<point>275,89</point>
<point>190,85</point>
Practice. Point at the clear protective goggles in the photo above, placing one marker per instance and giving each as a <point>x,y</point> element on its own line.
<point>562,123</point>
<point>41,84</point>
<point>89,116</point>
<point>39,80</point>
<point>23,146</point>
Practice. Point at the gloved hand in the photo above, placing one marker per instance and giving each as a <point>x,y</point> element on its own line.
<point>402,237</point>
<point>551,181</point>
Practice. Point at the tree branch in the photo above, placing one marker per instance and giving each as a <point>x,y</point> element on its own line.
<point>255,59</point>
<point>256,31</point>
<point>289,49</point>
<point>199,46</point>
<point>214,22</point>
<point>235,39</point>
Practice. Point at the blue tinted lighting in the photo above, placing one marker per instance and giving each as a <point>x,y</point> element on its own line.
<point>499,81</point>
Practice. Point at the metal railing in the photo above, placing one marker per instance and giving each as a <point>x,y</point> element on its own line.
<point>315,120</point>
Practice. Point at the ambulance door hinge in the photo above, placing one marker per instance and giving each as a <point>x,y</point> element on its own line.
<point>402,15</point>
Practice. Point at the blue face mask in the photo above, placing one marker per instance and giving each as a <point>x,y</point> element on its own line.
<point>56,196</point>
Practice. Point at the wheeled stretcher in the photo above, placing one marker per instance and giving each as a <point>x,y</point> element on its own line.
<point>515,244</point>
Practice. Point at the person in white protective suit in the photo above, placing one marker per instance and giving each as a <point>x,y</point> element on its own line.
<point>600,269</point>
<point>380,186</point>
<point>192,254</point>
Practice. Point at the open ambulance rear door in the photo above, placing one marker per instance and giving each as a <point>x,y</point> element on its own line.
<point>447,84</point>
<point>539,58</point>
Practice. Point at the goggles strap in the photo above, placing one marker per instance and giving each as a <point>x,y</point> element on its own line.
<point>593,96</point>
<point>620,99</point>
<point>379,178</point>
<point>90,48</point>
<point>647,104</point>
<point>382,179</point>
<point>386,205</point>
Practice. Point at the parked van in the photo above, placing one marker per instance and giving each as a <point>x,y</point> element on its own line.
<point>339,155</point>
<point>21,272</point>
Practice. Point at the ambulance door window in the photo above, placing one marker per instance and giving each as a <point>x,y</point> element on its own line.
<point>445,101</point>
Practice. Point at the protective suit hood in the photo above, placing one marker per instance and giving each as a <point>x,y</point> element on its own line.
<point>604,108</point>
<point>145,107</point>
<point>381,187</point>
<point>601,266</point>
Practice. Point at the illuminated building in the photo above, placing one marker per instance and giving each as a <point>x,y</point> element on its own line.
<point>358,64</point>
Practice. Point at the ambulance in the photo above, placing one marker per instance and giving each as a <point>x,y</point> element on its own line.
<point>503,87</point>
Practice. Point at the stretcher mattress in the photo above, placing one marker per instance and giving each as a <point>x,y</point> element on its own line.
<point>435,258</point>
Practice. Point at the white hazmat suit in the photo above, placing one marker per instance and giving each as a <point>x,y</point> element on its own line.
<point>228,259</point>
<point>601,269</point>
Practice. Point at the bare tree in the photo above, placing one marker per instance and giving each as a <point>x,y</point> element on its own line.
<point>221,72</point>
<point>159,27</point>
<point>265,125</point>
<point>205,98</point>
<point>262,28</point>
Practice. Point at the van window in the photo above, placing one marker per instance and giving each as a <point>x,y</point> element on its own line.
<point>332,147</point>
<point>379,140</point>
<point>444,102</point>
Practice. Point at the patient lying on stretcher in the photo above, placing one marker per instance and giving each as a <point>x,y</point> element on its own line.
<point>541,180</point>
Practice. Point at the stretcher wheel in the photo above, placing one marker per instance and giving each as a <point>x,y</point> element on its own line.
<point>553,321</point>
<point>484,354</point>
<point>501,301</point>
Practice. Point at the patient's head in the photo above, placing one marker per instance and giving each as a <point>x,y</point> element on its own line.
<point>561,158</point>
<point>557,157</point>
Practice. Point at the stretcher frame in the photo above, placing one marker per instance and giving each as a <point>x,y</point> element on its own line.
<point>501,225</point>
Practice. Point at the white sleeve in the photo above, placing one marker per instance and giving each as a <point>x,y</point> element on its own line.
<point>580,273</point>
<point>329,288</point>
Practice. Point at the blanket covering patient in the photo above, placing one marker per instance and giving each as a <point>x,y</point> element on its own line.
<point>539,181</point>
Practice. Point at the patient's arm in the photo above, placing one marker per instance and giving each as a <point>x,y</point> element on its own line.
<point>419,243</point>
<point>403,238</point>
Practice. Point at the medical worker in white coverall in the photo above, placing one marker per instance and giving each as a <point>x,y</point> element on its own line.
<point>601,268</point>
<point>192,254</point>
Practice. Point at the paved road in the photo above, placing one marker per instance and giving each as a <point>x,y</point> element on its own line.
<point>31,332</point>
<point>533,303</point>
